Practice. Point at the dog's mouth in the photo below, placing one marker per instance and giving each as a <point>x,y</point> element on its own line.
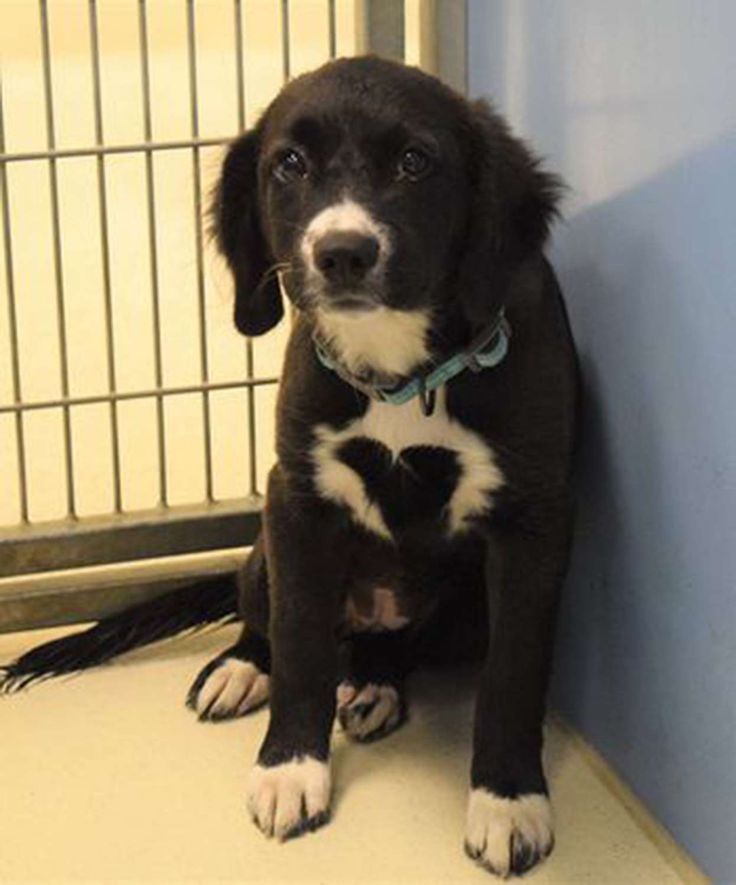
<point>348,303</point>
<point>328,297</point>
<point>311,293</point>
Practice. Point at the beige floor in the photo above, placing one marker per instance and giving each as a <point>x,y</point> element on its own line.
<point>108,777</point>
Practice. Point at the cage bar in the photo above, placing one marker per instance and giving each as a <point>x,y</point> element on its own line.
<point>449,32</point>
<point>105,247</point>
<point>147,147</point>
<point>13,326</point>
<point>385,28</point>
<point>198,237</point>
<point>239,72</point>
<point>58,270</point>
<point>332,26</point>
<point>120,396</point>
<point>249,355</point>
<point>124,537</point>
<point>34,548</point>
<point>285,38</point>
<point>153,251</point>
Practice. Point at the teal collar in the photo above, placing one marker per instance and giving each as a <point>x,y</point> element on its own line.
<point>485,351</point>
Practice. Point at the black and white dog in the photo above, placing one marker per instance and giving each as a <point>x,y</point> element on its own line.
<point>420,509</point>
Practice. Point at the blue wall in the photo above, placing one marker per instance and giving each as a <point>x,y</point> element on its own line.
<point>634,102</point>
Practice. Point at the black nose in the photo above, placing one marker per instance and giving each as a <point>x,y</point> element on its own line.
<point>345,257</point>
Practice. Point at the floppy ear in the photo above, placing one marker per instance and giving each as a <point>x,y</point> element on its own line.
<point>513,205</point>
<point>237,229</point>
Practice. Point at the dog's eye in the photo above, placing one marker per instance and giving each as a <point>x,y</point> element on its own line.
<point>414,163</point>
<point>291,165</point>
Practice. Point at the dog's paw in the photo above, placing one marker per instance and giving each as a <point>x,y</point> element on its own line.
<point>369,712</point>
<point>226,688</point>
<point>508,836</point>
<point>289,799</point>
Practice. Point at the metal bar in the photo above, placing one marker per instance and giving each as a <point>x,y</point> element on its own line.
<point>198,238</point>
<point>148,147</point>
<point>78,597</point>
<point>99,540</point>
<point>163,495</point>
<point>105,244</point>
<point>332,25</point>
<point>252,443</point>
<point>249,355</point>
<point>240,74</point>
<point>160,392</point>
<point>385,28</point>
<point>451,42</point>
<point>285,36</point>
<point>13,325</point>
<point>58,272</point>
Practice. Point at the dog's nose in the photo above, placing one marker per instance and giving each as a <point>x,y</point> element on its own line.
<point>345,257</point>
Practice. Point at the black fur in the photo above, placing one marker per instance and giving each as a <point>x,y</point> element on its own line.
<point>468,222</point>
<point>190,608</point>
<point>466,241</point>
<point>237,228</point>
<point>413,490</point>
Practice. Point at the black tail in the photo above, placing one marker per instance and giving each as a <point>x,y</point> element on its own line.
<point>187,608</point>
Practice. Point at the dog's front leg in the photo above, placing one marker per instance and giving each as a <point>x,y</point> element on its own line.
<point>509,825</point>
<point>289,787</point>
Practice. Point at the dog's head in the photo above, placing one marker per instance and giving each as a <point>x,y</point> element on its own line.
<point>369,186</point>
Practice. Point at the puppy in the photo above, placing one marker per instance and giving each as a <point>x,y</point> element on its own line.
<point>405,225</point>
<point>420,507</point>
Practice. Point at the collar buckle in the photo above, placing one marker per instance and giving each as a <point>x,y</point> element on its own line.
<point>427,398</point>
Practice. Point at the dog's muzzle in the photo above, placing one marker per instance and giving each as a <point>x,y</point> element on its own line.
<point>345,258</point>
<point>344,261</point>
<point>344,252</point>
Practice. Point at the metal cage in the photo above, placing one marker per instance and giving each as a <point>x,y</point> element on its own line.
<point>34,555</point>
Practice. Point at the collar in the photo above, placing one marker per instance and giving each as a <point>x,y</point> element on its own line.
<point>485,351</point>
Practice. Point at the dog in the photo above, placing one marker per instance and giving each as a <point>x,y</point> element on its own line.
<point>420,509</point>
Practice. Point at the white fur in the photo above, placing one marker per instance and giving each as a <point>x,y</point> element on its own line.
<point>232,689</point>
<point>398,428</point>
<point>340,483</point>
<point>347,215</point>
<point>492,823</point>
<point>383,340</point>
<point>277,794</point>
<point>384,715</point>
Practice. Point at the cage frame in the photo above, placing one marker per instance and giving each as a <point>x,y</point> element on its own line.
<point>38,553</point>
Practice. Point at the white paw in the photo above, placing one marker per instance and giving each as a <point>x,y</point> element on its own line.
<point>508,836</point>
<point>231,689</point>
<point>289,799</point>
<point>369,712</point>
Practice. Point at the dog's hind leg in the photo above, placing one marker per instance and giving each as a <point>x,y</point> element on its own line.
<point>236,681</point>
<point>371,701</point>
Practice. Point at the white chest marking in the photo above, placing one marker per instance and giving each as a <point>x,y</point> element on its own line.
<point>385,340</point>
<point>398,428</point>
<point>389,341</point>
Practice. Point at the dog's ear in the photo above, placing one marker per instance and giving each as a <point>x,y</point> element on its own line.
<point>512,207</point>
<point>239,236</point>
